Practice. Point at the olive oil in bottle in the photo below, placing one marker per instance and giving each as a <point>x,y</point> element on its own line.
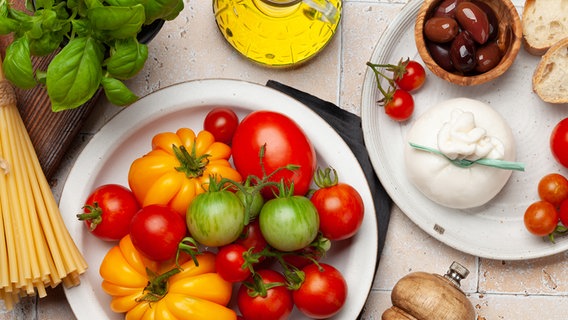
<point>278,33</point>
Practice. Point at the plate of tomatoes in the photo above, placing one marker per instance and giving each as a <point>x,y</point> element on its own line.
<point>495,230</point>
<point>125,142</point>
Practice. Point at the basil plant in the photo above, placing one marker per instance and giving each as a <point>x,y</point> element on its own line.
<point>98,42</point>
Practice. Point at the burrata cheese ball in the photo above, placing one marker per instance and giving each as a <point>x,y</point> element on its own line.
<point>459,128</point>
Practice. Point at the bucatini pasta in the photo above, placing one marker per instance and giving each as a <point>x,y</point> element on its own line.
<point>36,249</point>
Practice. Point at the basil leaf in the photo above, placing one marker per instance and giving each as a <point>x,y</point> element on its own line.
<point>125,3</point>
<point>46,44</point>
<point>4,8</point>
<point>175,12</point>
<point>118,22</point>
<point>117,92</point>
<point>18,67</point>
<point>74,74</point>
<point>159,9</point>
<point>8,25</point>
<point>127,58</point>
<point>37,4</point>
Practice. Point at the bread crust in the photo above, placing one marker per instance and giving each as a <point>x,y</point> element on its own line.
<point>538,48</point>
<point>548,68</point>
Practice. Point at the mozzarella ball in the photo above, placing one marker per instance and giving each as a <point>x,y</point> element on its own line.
<point>461,128</point>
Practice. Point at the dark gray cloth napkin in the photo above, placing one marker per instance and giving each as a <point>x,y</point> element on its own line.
<point>348,126</point>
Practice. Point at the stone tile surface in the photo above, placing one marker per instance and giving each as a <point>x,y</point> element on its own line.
<point>191,48</point>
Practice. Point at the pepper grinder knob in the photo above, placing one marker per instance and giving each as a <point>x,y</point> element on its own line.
<point>456,273</point>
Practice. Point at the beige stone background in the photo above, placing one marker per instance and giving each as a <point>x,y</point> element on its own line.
<point>192,48</point>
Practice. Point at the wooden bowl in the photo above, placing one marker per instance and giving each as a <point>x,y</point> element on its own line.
<point>508,39</point>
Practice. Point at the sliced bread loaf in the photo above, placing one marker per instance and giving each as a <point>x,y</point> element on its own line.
<point>550,79</point>
<point>545,22</point>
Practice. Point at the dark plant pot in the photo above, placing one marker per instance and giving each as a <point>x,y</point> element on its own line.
<point>148,32</point>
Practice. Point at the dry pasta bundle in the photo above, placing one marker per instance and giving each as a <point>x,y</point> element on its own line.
<point>36,249</point>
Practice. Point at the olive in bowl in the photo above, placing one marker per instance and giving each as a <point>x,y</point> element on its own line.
<point>468,42</point>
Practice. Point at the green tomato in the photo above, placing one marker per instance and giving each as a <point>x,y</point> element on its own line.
<point>215,218</point>
<point>289,223</point>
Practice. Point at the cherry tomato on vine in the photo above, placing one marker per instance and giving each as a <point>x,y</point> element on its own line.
<point>559,142</point>
<point>553,188</point>
<point>323,292</point>
<point>413,76</point>
<point>216,217</point>
<point>541,218</point>
<point>156,231</point>
<point>303,257</point>
<point>265,296</point>
<point>222,123</point>
<point>108,211</point>
<point>289,223</point>
<point>252,237</point>
<point>230,263</point>
<point>400,105</point>
<point>339,205</point>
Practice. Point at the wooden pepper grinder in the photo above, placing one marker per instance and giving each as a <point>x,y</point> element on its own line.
<point>427,296</point>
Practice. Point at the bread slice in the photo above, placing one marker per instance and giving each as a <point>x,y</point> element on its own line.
<point>545,22</point>
<point>550,79</point>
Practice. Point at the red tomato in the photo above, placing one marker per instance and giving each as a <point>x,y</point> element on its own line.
<point>553,188</point>
<point>400,106</point>
<point>339,205</point>
<point>252,237</point>
<point>323,292</point>
<point>221,122</point>
<point>303,257</point>
<point>230,263</point>
<point>563,213</point>
<point>156,231</point>
<point>273,302</point>
<point>559,142</point>
<point>413,77</point>
<point>541,218</point>
<point>108,211</point>
<point>285,144</point>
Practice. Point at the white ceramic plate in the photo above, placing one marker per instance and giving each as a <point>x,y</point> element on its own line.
<point>496,229</point>
<point>107,158</point>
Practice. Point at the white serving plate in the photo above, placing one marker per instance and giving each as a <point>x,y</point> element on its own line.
<point>107,158</point>
<point>495,230</point>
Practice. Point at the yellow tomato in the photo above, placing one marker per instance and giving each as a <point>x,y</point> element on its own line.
<point>144,289</point>
<point>179,167</point>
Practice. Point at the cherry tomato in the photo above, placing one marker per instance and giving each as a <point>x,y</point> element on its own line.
<point>323,292</point>
<point>108,211</point>
<point>221,122</point>
<point>289,223</point>
<point>216,217</point>
<point>400,106</point>
<point>559,142</point>
<point>252,237</point>
<point>413,78</point>
<point>563,213</point>
<point>541,218</point>
<point>156,231</point>
<point>339,205</point>
<point>553,188</point>
<point>268,297</point>
<point>301,258</point>
<point>230,263</point>
<point>284,144</point>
